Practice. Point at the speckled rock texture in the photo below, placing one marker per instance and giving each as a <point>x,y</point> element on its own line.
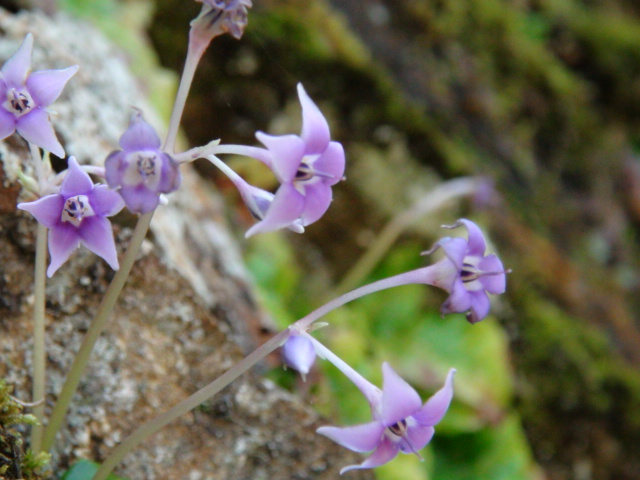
<point>184,317</point>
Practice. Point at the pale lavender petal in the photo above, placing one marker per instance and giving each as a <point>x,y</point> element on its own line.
<point>299,354</point>
<point>16,68</point>
<point>76,181</point>
<point>63,240</point>
<point>331,162</point>
<point>359,438</point>
<point>287,152</point>
<point>46,210</point>
<point>435,408</point>
<point>7,123</point>
<point>139,199</point>
<point>139,135</point>
<point>170,176</point>
<point>385,452</point>
<point>455,249</point>
<point>46,86</point>
<point>105,202</point>
<point>495,284</point>
<point>113,168</point>
<point>317,200</point>
<point>315,129</point>
<point>36,128</point>
<point>477,244</point>
<point>399,399</point>
<point>97,235</point>
<point>459,300</point>
<point>286,207</point>
<point>416,439</point>
<point>480,306</point>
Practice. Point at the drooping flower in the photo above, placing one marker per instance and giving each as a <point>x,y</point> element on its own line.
<point>307,166</point>
<point>467,274</point>
<point>77,216</point>
<point>25,96</point>
<point>400,422</point>
<point>298,353</point>
<point>222,16</point>
<point>141,171</point>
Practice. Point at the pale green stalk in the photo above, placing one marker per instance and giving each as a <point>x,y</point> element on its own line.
<point>97,326</point>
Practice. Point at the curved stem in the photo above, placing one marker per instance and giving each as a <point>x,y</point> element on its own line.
<point>258,153</point>
<point>189,404</point>
<point>97,326</point>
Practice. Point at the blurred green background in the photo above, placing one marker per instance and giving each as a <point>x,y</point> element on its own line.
<point>540,100</point>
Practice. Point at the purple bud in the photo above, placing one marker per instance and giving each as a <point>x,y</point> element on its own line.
<point>298,353</point>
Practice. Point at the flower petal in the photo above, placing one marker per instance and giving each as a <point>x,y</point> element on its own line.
<point>114,167</point>
<point>46,86</point>
<point>170,176</point>
<point>7,123</point>
<point>315,129</point>
<point>386,451</point>
<point>359,438</point>
<point>139,199</point>
<point>76,181</point>
<point>496,283</point>
<point>331,163</point>
<point>416,439</point>
<point>46,210</point>
<point>97,235</point>
<point>105,202</point>
<point>139,135</point>
<point>36,128</point>
<point>299,354</point>
<point>455,249</point>
<point>480,306</point>
<point>435,408</point>
<point>399,399</point>
<point>317,198</point>
<point>477,244</point>
<point>15,69</point>
<point>285,209</point>
<point>459,300</point>
<point>63,240</point>
<point>287,152</point>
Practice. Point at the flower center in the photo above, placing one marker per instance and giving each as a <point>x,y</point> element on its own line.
<point>143,167</point>
<point>307,173</point>
<point>19,102</point>
<point>469,273</point>
<point>76,209</point>
<point>399,429</point>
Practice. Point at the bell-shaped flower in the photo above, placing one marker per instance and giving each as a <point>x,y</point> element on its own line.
<point>223,16</point>
<point>141,171</point>
<point>298,353</point>
<point>307,166</point>
<point>77,216</point>
<point>401,423</point>
<point>25,96</point>
<point>467,274</point>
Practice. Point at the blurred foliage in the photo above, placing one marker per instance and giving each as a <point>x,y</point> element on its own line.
<point>85,470</point>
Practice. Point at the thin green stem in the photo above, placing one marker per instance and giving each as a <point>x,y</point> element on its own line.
<point>97,326</point>
<point>145,431</point>
<point>39,355</point>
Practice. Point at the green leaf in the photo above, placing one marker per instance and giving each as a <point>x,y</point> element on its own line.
<point>85,470</point>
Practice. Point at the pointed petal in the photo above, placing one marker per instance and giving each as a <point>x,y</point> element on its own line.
<point>139,135</point>
<point>286,207</point>
<point>399,399</point>
<point>16,68</point>
<point>331,163</point>
<point>7,123</point>
<point>46,210</point>
<point>495,284</point>
<point>455,249</point>
<point>76,181</point>
<point>459,300</point>
<point>477,244</point>
<point>36,128</point>
<point>97,235</point>
<point>46,86</point>
<point>170,176</point>
<point>416,439</point>
<point>359,438</point>
<point>63,240</point>
<point>435,408</point>
<point>286,151</point>
<point>480,306</point>
<point>104,201</point>
<point>315,129</point>
<point>139,199</point>
<point>385,452</point>
<point>317,199</point>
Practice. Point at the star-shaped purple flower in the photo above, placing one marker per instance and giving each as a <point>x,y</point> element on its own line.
<point>467,274</point>
<point>400,422</point>
<point>307,166</point>
<point>77,216</point>
<point>141,171</point>
<point>24,97</point>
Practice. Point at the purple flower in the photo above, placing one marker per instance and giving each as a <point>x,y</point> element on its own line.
<point>25,96</point>
<point>76,216</point>
<point>298,353</point>
<point>400,422</point>
<point>467,274</point>
<point>228,16</point>
<point>141,171</point>
<point>307,166</point>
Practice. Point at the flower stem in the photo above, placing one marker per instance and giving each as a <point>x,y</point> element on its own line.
<point>189,404</point>
<point>39,355</point>
<point>104,311</point>
<point>244,150</point>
